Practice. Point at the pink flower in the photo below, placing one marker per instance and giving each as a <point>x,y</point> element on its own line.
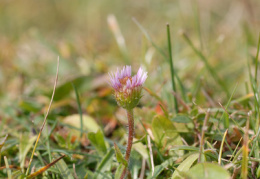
<point>128,89</point>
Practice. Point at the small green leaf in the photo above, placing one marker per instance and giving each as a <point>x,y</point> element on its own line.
<point>141,149</point>
<point>185,165</point>
<point>105,164</point>
<point>182,119</point>
<point>119,156</point>
<point>30,106</point>
<point>208,171</point>
<point>258,172</point>
<point>159,168</point>
<point>185,147</point>
<point>97,140</point>
<point>165,132</point>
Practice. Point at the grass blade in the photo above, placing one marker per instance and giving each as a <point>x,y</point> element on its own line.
<point>9,173</point>
<point>79,109</point>
<point>221,147</point>
<point>256,59</point>
<point>204,59</point>
<point>172,66</point>
<point>45,118</point>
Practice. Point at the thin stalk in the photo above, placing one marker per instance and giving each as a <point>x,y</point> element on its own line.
<point>45,118</point>
<point>171,66</point>
<point>131,129</point>
<point>257,114</point>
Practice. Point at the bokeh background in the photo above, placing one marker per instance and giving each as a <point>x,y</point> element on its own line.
<point>95,37</point>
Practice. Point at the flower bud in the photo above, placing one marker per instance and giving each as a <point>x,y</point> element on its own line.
<point>127,89</point>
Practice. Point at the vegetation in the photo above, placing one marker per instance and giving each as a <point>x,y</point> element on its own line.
<point>199,114</point>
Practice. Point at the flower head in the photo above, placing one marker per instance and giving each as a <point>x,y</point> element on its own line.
<point>128,89</point>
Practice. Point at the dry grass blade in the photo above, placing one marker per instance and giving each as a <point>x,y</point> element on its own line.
<point>45,167</point>
<point>45,118</point>
<point>11,167</point>
<point>221,147</point>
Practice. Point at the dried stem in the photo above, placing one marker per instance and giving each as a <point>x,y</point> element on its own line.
<point>45,118</point>
<point>131,129</point>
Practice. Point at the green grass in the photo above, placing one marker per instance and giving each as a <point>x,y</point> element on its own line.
<point>201,111</point>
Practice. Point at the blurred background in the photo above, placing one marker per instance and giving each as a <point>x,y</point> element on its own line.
<point>95,37</point>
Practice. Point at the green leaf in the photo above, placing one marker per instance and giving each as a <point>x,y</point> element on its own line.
<point>30,106</point>
<point>208,171</point>
<point>26,143</point>
<point>182,119</point>
<point>141,149</point>
<point>97,140</point>
<point>165,133</point>
<point>63,168</point>
<point>185,147</point>
<point>105,164</point>
<point>119,156</point>
<point>185,165</point>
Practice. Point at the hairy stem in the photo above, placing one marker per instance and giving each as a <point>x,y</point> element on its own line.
<point>131,129</point>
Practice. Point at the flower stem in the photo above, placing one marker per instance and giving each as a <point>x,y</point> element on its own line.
<point>131,129</point>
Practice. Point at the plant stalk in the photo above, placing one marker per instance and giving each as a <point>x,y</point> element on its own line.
<point>131,129</point>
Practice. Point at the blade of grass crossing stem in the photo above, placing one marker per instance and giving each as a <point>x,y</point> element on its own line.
<point>149,38</point>
<point>221,147</point>
<point>172,66</point>
<point>45,118</point>
<point>79,109</point>
<point>226,119</point>
<point>201,151</point>
<point>204,59</point>
<point>9,173</point>
<point>244,170</point>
